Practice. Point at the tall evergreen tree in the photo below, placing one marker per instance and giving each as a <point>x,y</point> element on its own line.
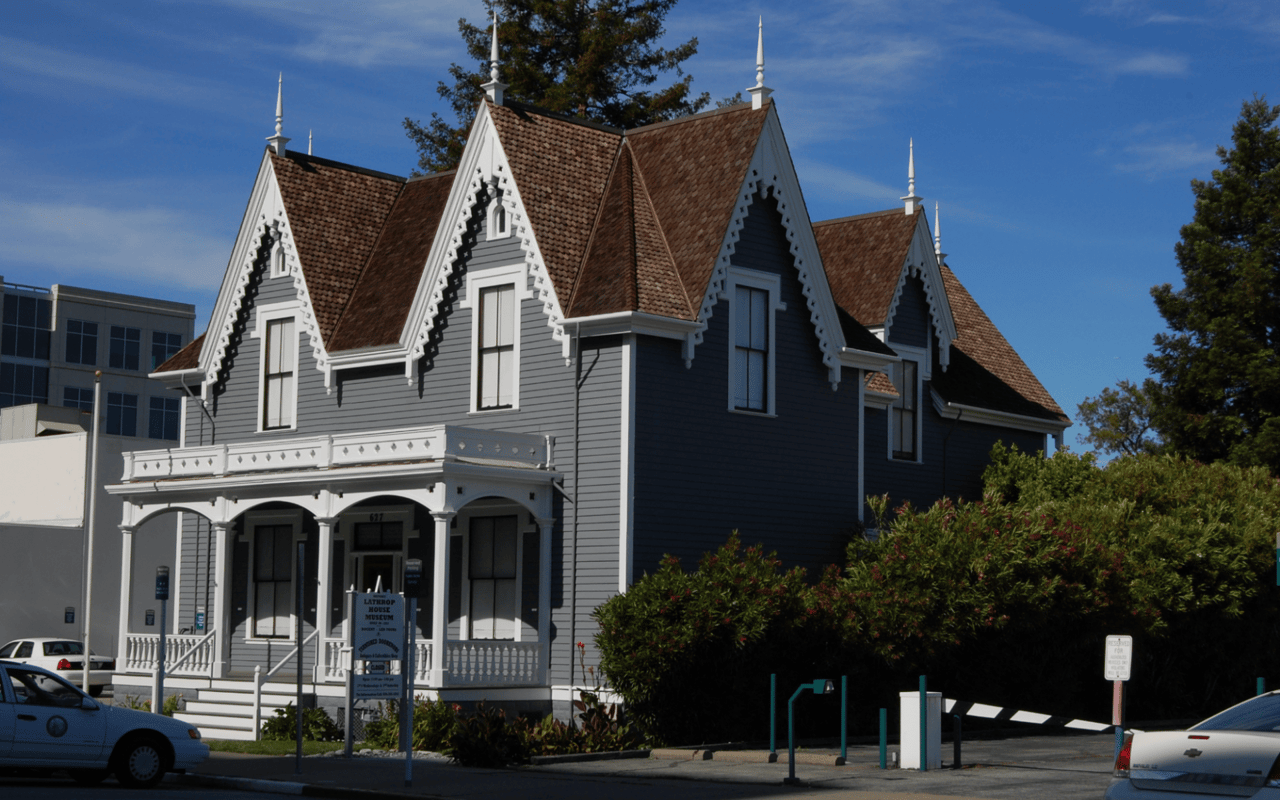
<point>1218,368</point>
<point>594,59</point>
<point>1119,420</point>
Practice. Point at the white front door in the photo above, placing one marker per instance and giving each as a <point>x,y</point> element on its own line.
<point>492,572</point>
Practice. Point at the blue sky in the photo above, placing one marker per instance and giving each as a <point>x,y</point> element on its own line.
<point>1058,138</point>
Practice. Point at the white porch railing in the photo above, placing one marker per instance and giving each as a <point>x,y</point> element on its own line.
<point>436,442</point>
<point>470,663</point>
<point>185,654</point>
<point>259,679</point>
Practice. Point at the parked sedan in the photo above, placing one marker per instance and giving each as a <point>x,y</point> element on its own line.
<point>64,656</point>
<point>46,723</point>
<point>1235,753</point>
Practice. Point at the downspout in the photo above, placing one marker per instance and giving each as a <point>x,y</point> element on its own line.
<point>577,475</point>
<point>203,522</point>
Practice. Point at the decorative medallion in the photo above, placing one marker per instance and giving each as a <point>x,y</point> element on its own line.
<point>56,727</point>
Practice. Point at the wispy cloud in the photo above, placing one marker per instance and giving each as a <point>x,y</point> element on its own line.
<point>101,244</point>
<point>1153,159</point>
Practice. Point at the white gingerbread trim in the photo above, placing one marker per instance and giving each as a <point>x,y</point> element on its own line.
<point>922,262</point>
<point>265,216</point>
<point>771,168</point>
<point>483,162</point>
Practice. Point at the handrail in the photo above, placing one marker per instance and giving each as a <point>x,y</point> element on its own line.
<point>191,652</point>
<point>258,678</point>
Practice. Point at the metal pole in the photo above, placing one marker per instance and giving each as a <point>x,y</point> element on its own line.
<point>157,704</point>
<point>89,525</point>
<point>297,627</point>
<point>956,729</point>
<point>1262,686</point>
<point>791,736</point>
<point>924,723</point>
<point>773,713</point>
<point>884,738</point>
<point>409,676</point>
<point>1117,692</point>
<point>350,665</point>
<point>844,717</point>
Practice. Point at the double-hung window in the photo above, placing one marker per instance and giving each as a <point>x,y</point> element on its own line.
<point>492,574</point>
<point>278,380</point>
<point>126,346</point>
<point>904,411</point>
<point>82,342</point>
<point>494,298</point>
<point>753,301</point>
<point>273,558</point>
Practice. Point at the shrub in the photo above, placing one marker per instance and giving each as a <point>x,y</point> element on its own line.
<point>433,724</point>
<point>317,726</point>
<point>484,739</point>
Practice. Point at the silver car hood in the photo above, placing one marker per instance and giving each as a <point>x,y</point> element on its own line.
<point>1221,762</point>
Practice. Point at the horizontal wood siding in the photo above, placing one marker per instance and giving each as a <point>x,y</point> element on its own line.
<point>953,455</point>
<point>788,482</point>
<point>911,320</point>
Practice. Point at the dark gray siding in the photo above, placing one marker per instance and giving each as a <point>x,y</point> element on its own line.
<point>789,482</point>
<point>911,323</point>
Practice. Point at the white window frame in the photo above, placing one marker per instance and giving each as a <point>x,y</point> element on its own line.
<point>924,372</point>
<point>771,283</point>
<point>265,316</point>
<point>251,522</point>
<point>279,264</point>
<point>516,275</point>
<point>463,534</point>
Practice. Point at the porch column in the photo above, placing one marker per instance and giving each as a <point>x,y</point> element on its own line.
<point>221,599</point>
<point>440,598</point>
<point>126,583</point>
<point>545,529</point>
<point>324,566</point>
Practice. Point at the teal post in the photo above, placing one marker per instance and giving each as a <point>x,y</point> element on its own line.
<point>1262,686</point>
<point>844,717</point>
<point>924,723</point>
<point>773,713</point>
<point>884,738</point>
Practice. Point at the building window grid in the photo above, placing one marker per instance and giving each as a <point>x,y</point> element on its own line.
<point>163,420</point>
<point>122,414</point>
<point>278,379</point>
<point>493,558</point>
<point>82,342</point>
<point>164,346</point>
<point>751,348</point>
<point>272,581</point>
<point>126,347</point>
<point>75,397</point>
<point>496,348</point>
<point>24,332</point>
<point>23,383</point>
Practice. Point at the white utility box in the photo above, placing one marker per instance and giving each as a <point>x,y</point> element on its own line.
<point>909,743</point>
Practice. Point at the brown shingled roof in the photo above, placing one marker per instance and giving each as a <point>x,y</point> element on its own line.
<point>336,212</point>
<point>863,256</point>
<point>985,371</point>
<point>186,358</point>
<point>693,168</point>
<point>386,287</point>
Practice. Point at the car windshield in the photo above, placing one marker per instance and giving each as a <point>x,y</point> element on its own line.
<point>40,689</point>
<point>64,648</point>
<point>1259,714</point>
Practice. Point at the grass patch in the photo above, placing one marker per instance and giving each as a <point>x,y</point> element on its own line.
<point>272,748</point>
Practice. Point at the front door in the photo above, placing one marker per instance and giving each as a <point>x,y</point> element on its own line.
<point>492,566</point>
<point>378,569</point>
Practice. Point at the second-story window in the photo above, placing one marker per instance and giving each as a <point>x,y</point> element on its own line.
<point>122,414</point>
<point>496,349</point>
<point>25,329</point>
<point>751,349</point>
<point>82,342</point>
<point>904,411</point>
<point>126,346</point>
<point>279,375</point>
<point>163,346</point>
<point>75,397</point>
<point>162,422</point>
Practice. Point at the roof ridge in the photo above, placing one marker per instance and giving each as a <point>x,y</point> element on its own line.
<point>516,105</point>
<point>638,172</point>
<point>690,117</point>
<point>303,158</point>
<point>867,215</point>
<point>595,227</point>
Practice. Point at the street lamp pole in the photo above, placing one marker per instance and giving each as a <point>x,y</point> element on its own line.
<point>91,518</point>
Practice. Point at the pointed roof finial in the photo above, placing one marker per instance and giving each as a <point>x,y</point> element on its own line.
<point>494,88</point>
<point>279,141</point>
<point>937,237</point>
<point>760,93</point>
<point>311,135</point>
<point>912,198</point>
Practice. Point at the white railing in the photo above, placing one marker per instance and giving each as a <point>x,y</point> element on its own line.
<point>259,678</point>
<point>471,663</point>
<point>438,442</point>
<point>493,663</point>
<point>184,654</point>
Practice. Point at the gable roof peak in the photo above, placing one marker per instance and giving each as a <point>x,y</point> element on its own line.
<point>759,93</point>
<point>494,88</point>
<point>912,199</point>
<point>279,141</point>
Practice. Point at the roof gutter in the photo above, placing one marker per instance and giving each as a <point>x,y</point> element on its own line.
<point>1004,419</point>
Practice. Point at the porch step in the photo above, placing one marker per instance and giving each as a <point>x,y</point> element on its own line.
<point>224,710</point>
<point>207,722</point>
<point>239,698</point>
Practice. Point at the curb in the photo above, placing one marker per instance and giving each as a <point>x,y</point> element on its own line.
<point>573,758</point>
<point>680,754</point>
<point>295,788</point>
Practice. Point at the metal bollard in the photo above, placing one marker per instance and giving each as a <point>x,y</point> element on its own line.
<point>956,727</point>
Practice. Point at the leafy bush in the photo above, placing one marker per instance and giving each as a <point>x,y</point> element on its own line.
<point>484,739</point>
<point>433,724</point>
<point>317,726</point>
<point>172,704</point>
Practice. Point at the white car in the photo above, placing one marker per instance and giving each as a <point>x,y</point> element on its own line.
<point>1235,753</point>
<point>64,656</point>
<point>47,723</point>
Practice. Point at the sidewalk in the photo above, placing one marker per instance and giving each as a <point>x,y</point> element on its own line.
<point>1061,767</point>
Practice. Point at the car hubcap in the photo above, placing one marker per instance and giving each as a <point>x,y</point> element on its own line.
<point>143,762</point>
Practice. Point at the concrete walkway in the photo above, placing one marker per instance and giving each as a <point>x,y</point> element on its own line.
<point>1062,767</point>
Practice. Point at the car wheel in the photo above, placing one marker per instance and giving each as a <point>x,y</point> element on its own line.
<point>96,691</point>
<point>140,763</point>
<point>89,777</point>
